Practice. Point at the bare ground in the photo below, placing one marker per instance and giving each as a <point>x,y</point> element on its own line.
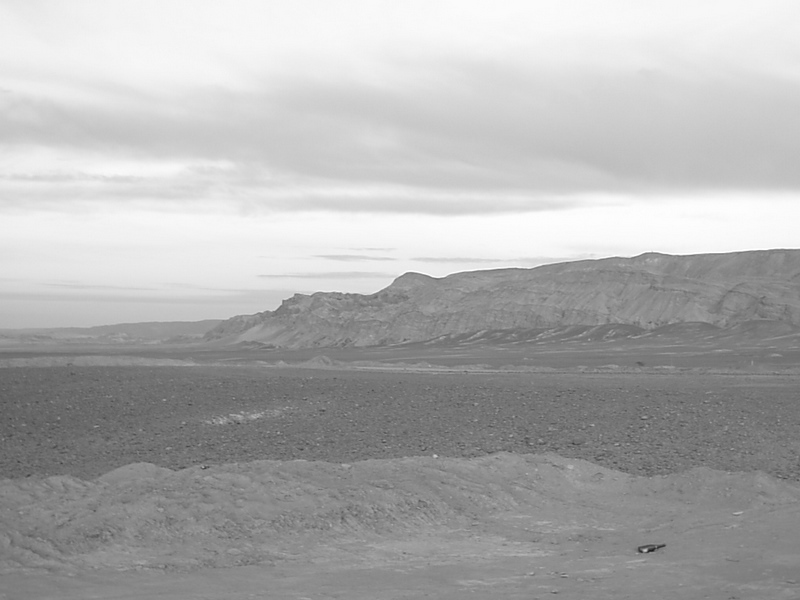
<point>505,526</point>
<point>176,482</point>
<point>85,421</point>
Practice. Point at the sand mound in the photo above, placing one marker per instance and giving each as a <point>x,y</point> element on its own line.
<point>268,512</point>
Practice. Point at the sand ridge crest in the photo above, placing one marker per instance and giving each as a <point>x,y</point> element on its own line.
<point>141,515</point>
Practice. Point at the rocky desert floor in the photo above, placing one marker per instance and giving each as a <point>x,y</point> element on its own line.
<point>164,478</point>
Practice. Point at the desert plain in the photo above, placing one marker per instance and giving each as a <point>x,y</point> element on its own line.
<point>415,471</point>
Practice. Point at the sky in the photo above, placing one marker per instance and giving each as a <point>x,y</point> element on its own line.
<point>179,160</point>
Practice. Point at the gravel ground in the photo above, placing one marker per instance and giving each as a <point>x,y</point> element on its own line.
<point>85,421</point>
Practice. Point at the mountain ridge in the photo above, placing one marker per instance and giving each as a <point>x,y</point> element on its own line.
<point>648,291</point>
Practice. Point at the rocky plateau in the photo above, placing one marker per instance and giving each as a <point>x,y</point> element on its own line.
<point>641,293</point>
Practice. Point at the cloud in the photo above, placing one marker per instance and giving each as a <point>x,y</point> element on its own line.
<point>456,259</point>
<point>431,135</point>
<point>332,275</point>
<point>529,261</point>
<point>97,287</point>
<point>354,257</point>
<point>64,177</point>
<point>481,126</point>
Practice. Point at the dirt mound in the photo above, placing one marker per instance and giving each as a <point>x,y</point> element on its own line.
<point>270,512</point>
<point>706,487</point>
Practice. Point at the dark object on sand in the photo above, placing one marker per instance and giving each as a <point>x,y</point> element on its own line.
<point>649,548</point>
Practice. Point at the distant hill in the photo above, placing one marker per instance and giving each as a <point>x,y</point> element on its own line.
<point>647,291</point>
<point>114,334</point>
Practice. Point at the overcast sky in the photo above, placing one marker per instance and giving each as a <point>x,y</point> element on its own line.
<point>187,159</point>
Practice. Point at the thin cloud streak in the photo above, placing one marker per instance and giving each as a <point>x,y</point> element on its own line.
<point>98,287</point>
<point>456,259</point>
<point>331,275</point>
<point>528,261</point>
<point>354,257</point>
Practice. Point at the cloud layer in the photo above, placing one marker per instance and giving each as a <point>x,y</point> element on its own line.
<point>477,139</point>
<point>489,129</point>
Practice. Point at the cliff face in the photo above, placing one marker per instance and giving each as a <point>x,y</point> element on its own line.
<point>648,291</point>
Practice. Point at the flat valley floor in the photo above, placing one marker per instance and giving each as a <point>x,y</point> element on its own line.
<point>164,477</point>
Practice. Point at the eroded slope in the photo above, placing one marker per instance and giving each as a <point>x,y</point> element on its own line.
<point>646,291</point>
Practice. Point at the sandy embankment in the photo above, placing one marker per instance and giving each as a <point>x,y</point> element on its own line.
<point>497,524</point>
